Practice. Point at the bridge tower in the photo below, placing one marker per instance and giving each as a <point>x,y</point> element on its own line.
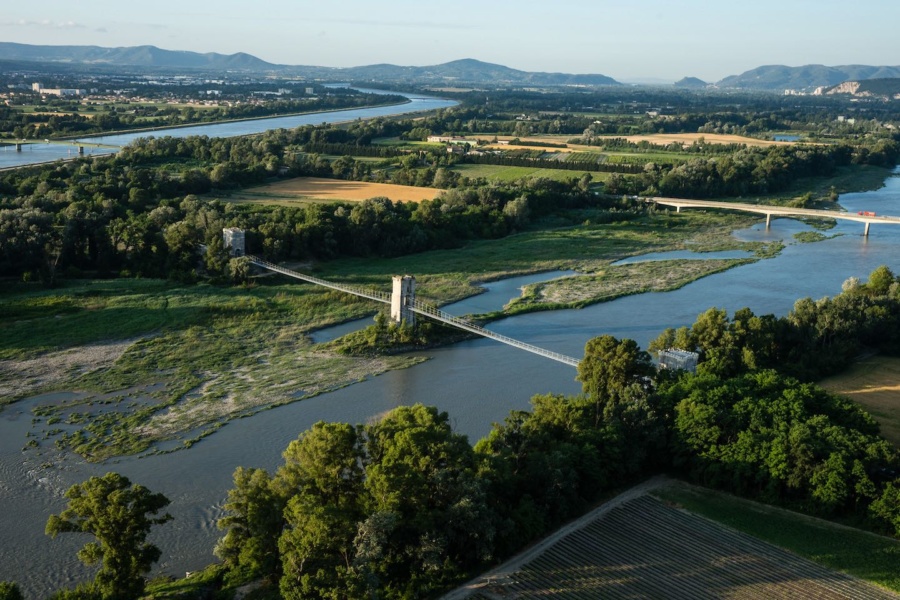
<point>233,239</point>
<point>402,298</point>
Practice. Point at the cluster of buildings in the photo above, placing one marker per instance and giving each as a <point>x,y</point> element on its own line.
<point>40,89</point>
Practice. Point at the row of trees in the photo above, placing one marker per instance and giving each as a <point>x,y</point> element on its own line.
<point>67,121</point>
<point>111,214</point>
<point>750,170</point>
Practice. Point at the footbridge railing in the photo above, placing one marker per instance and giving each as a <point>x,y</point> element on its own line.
<point>349,289</point>
<point>422,308</point>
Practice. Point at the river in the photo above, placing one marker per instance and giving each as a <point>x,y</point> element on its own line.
<point>40,153</point>
<point>477,382</point>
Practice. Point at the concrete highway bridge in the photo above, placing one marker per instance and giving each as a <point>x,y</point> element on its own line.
<point>779,211</point>
<point>81,145</point>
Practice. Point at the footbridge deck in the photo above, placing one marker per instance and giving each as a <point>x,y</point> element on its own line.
<point>420,308</point>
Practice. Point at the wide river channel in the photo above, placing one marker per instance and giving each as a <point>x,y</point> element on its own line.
<point>477,382</point>
<point>40,153</point>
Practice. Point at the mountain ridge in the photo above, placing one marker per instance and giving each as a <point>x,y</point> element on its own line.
<point>805,77</point>
<point>467,70</point>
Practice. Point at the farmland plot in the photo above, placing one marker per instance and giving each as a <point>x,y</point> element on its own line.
<point>645,548</point>
<point>304,189</point>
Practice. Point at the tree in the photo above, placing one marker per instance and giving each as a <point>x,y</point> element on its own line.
<point>887,506</point>
<point>880,280</point>
<point>10,591</point>
<point>323,477</point>
<point>119,515</point>
<point>239,269</point>
<point>613,371</point>
<point>430,521</point>
<point>254,521</point>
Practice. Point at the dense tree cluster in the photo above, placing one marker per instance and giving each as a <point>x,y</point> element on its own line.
<point>767,436</point>
<point>748,171</point>
<point>393,509</point>
<point>815,339</point>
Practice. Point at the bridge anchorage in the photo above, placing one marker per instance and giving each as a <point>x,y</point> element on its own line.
<point>403,302</point>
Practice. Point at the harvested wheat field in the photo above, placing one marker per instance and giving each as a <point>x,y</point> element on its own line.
<point>303,189</point>
<point>637,546</point>
<point>874,383</point>
<point>710,138</point>
<point>686,139</point>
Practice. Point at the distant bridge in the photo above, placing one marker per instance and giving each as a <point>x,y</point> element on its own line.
<point>409,304</point>
<point>784,211</point>
<point>20,144</point>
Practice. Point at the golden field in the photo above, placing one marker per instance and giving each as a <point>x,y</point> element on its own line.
<point>874,383</point>
<point>305,189</point>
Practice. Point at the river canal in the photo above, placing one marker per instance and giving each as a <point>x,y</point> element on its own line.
<point>40,153</point>
<point>477,382</point>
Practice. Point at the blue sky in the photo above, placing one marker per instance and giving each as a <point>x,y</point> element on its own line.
<point>626,39</point>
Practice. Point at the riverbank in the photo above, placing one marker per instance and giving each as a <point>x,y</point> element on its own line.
<point>92,135</point>
<point>223,121</point>
<point>191,358</point>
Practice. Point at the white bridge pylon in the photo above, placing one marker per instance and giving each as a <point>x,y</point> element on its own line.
<point>420,308</point>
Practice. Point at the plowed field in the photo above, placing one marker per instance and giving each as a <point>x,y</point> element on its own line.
<point>645,548</point>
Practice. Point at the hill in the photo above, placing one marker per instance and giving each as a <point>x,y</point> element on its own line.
<point>474,71</point>
<point>468,70</point>
<point>134,56</point>
<point>690,83</point>
<point>778,78</point>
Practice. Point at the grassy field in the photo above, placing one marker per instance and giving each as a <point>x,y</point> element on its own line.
<point>861,554</point>
<point>614,282</point>
<point>710,138</point>
<point>189,358</point>
<point>444,275</point>
<point>874,383</point>
<point>300,190</point>
<point>503,173</point>
<point>654,138</point>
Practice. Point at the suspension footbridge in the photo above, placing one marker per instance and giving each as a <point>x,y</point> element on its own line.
<point>403,302</point>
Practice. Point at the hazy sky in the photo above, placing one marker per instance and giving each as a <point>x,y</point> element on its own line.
<point>625,39</point>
